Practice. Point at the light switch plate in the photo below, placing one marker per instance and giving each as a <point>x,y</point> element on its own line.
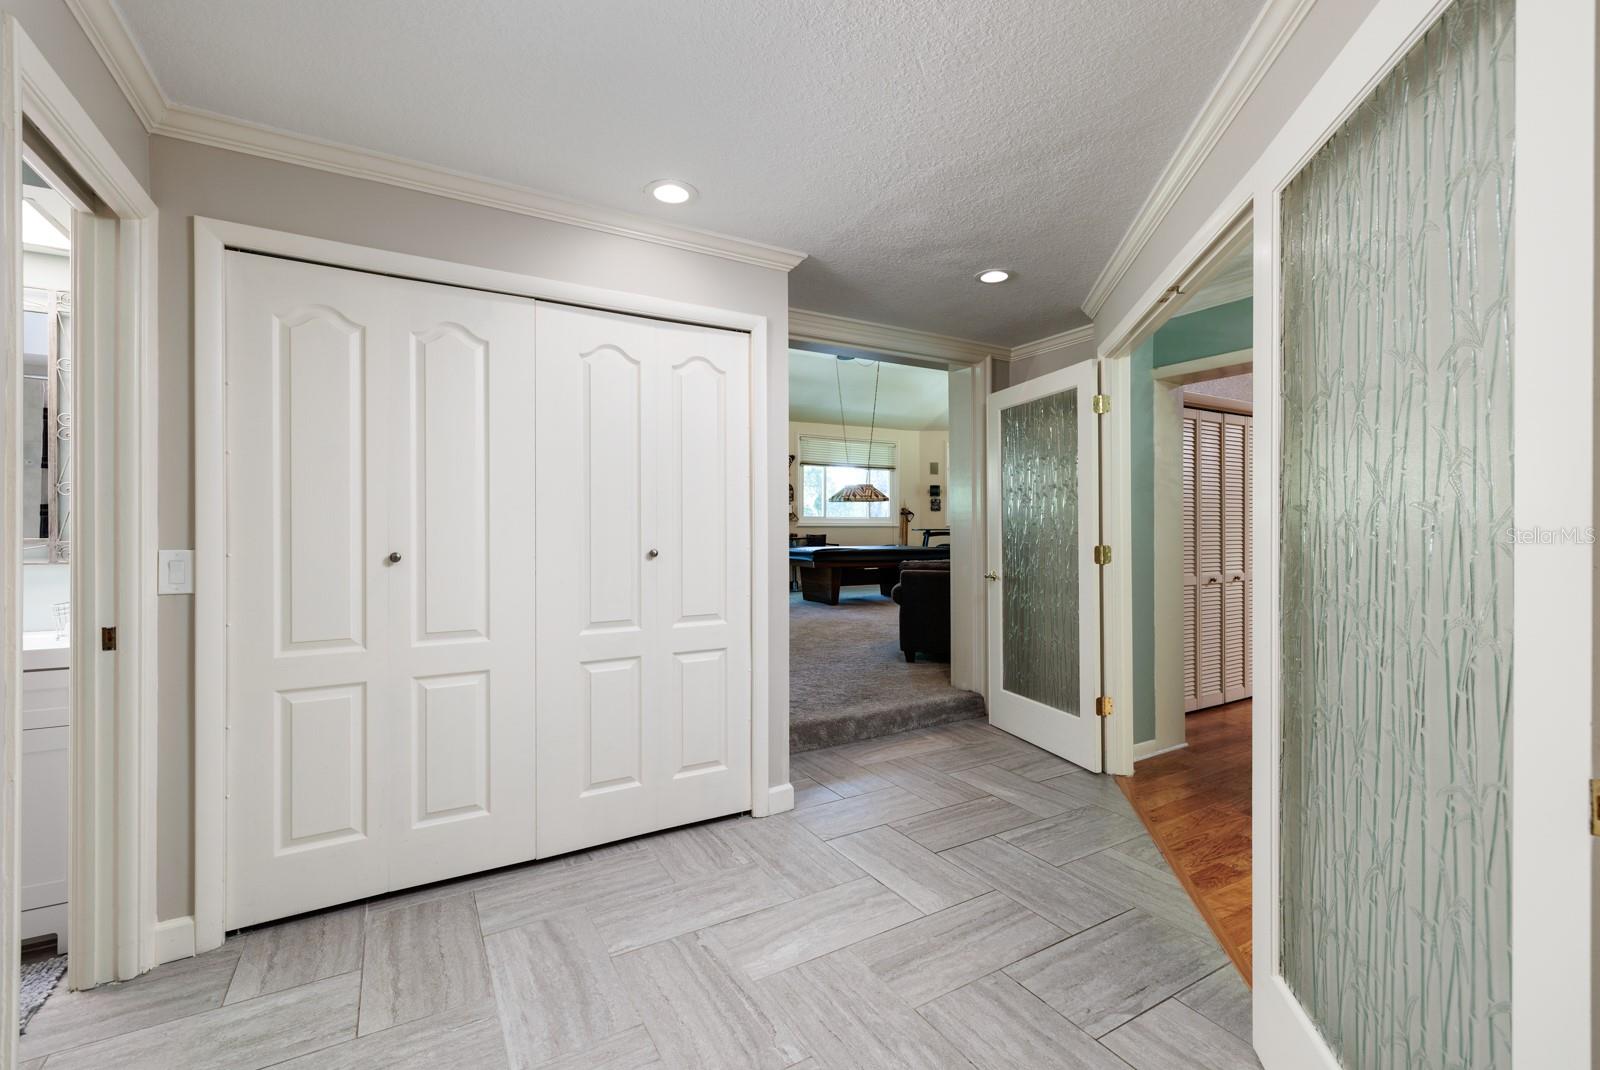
<point>175,572</point>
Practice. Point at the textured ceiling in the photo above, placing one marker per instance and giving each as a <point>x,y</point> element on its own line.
<point>904,144</point>
<point>912,399</point>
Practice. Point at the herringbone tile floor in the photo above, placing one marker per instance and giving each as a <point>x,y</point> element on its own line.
<point>949,897</point>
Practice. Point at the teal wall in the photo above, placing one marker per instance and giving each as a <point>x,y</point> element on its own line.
<point>1223,329</point>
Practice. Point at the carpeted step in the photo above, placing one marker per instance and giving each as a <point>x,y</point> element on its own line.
<point>853,724</point>
<point>849,680</point>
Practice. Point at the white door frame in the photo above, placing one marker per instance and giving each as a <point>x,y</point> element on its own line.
<point>112,782</point>
<point>1201,259</point>
<point>1554,856</point>
<point>1167,463</point>
<point>212,238</point>
<point>971,376</point>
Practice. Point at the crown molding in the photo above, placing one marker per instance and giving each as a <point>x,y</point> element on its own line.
<point>103,25</point>
<point>827,329</point>
<point>1273,28</point>
<point>106,30</point>
<point>821,327</point>
<point>1040,346</point>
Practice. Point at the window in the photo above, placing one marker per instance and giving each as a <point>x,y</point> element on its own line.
<point>828,465</point>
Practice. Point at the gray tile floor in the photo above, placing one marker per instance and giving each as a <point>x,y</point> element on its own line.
<point>950,897</point>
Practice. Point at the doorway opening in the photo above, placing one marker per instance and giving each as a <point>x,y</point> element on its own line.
<point>870,549</point>
<point>47,464</point>
<point>78,628</point>
<point>1193,584</point>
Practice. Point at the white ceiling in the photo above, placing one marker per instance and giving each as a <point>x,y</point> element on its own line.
<point>908,398</point>
<point>904,144</point>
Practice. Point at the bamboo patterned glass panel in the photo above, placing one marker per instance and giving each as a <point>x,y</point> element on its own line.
<point>1039,549</point>
<point>1396,566</point>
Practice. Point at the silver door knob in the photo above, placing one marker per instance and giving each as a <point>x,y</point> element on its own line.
<point>653,554</point>
<point>394,558</point>
<point>991,575</point>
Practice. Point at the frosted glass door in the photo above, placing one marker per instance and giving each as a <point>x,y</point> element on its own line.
<point>1395,569</point>
<point>1043,591</point>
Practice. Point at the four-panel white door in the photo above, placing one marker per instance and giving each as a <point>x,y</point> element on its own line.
<point>644,576</point>
<point>380,722</point>
<point>392,592</point>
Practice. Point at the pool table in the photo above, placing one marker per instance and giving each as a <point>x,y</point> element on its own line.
<point>824,569</point>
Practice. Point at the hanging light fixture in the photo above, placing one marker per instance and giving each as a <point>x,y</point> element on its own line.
<point>859,492</point>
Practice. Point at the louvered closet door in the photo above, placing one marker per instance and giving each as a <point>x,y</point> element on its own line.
<point>1235,557</point>
<point>1191,569</point>
<point>643,576</point>
<point>379,711</point>
<point>1216,558</point>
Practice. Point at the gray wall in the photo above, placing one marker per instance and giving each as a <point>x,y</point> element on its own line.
<point>51,26</point>
<point>1010,373</point>
<point>190,180</point>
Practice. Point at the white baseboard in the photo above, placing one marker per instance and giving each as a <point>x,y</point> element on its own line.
<point>1152,747</point>
<point>174,939</point>
<point>779,799</point>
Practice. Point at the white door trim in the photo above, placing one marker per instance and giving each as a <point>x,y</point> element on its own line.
<point>968,396</point>
<point>211,238</point>
<point>1211,247</point>
<point>112,879</point>
<point>1554,859</point>
<point>1167,634</point>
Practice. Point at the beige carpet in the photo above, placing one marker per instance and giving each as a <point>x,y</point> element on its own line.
<point>848,680</point>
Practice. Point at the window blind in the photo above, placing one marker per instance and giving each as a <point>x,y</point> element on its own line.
<point>835,451</point>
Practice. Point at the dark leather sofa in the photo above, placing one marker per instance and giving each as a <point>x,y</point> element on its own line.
<point>923,594</point>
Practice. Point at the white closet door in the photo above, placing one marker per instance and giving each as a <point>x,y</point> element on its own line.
<point>308,604</point>
<point>1216,558</point>
<point>643,576</point>
<point>1209,602</point>
<point>461,595</point>
<point>1235,558</point>
<point>380,710</point>
<point>1191,571</point>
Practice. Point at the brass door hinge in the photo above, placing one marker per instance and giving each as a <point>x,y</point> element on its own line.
<point>1102,705</point>
<point>108,639</point>
<point>1102,554</point>
<point>1594,807</point>
<point>1102,404</point>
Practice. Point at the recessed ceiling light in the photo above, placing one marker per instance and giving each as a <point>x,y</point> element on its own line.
<point>993,275</point>
<point>671,191</point>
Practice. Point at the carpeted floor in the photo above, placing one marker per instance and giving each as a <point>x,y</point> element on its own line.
<point>848,680</point>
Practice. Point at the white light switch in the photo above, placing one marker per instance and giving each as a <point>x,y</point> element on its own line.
<point>175,572</point>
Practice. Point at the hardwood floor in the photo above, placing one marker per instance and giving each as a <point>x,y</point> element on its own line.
<point>1196,804</point>
<point>945,898</point>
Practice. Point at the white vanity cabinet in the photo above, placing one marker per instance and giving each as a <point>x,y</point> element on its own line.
<point>46,725</point>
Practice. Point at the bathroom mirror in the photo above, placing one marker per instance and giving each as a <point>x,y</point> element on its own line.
<point>47,432</point>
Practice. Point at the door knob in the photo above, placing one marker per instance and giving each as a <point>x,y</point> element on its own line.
<point>394,558</point>
<point>653,554</point>
<point>991,575</point>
